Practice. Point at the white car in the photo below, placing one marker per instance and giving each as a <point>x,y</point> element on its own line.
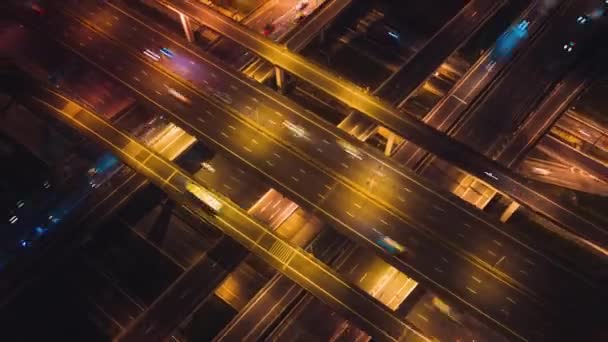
<point>540,171</point>
<point>208,167</point>
<point>569,46</point>
<point>152,55</point>
<point>298,131</point>
<point>179,96</point>
<point>223,97</point>
<point>350,149</point>
<point>301,5</point>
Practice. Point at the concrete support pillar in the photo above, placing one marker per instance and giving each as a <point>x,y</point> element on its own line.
<point>160,227</point>
<point>408,302</point>
<point>390,143</point>
<point>509,211</point>
<point>187,27</point>
<point>280,77</point>
<point>322,37</point>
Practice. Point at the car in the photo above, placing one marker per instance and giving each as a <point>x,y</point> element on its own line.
<point>569,46</point>
<point>540,171</point>
<point>167,52</point>
<point>40,230</point>
<point>301,5</point>
<point>490,66</point>
<point>583,19</point>
<point>208,167</point>
<point>268,29</point>
<point>223,97</point>
<point>179,96</point>
<point>152,55</point>
<point>350,149</point>
<point>25,243</point>
<point>390,245</point>
<point>299,17</point>
<point>491,175</point>
<point>297,131</point>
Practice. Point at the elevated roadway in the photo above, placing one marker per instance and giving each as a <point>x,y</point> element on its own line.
<point>400,85</point>
<point>109,58</point>
<point>411,129</point>
<point>478,124</point>
<point>234,222</point>
<point>318,22</point>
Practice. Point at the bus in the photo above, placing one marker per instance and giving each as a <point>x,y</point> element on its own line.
<point>390,245</point>
<point>204,196</point>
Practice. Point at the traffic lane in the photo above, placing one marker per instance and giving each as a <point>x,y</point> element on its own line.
<point>226,134</point>
<point>519,261</point>
<point>541,120</point>
<point>447,111</point>
<point>298,262</point>
<point>376,277</point>
<point>299,266</point>
<point>441,45</point>
<point>274,299</point>
<point>215,81</point>
<point>505,109</point>
<point>271,121</point>
<point>159,320</point>
<point>322,18</point>
<point>532,271</point>
<point>303,324</point>
<point>274,10</point>
<point>508,102</point>
<point>271,162</point>
<point>388,194</point>
<point>233,181</point>
<point>448,273</point>
<point>106,294</point>
<point>428,317</point>
<point>426,137</point>
<point>573,156</point>
<point>581,129</point>
<point>273,209</point>
<point>179,241</point>
<point>443,115</point>
<point>262,311</point>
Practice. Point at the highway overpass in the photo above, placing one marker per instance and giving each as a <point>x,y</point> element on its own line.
<point>292,262</point>
<point>385,115</point>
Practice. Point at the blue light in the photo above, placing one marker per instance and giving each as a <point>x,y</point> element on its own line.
<point>106,162</point>
<point>165,51</point>
<point>509,40</point>
<point>393,34</point>
<point>25,243</point>
<point>40,230</point>
<point>54,219</point>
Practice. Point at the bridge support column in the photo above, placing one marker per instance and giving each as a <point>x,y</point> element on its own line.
<point>322,37</point>
<point>161,225</point>
<point>389,144</point>
<point>187,27</point>
<point>509,211</point>
<point>408,302</point>
<point>280,77</point>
